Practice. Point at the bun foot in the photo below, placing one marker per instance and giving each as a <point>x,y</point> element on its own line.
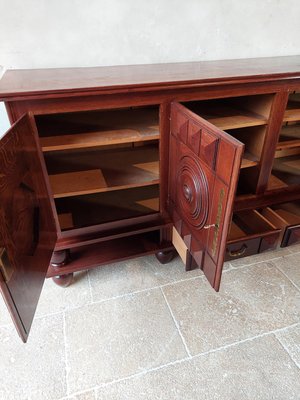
<point>60,258</point>
<point>165,256</point>
<point>63,280</point>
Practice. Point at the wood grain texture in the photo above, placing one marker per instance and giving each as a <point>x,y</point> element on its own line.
<point>94,139</point>
<point>59,91</point>
<point>27,226</point>
<point>97,128</point>
<point>94,171</point>
<point>204,168</point>
<point>292,112</point>
<point>20,83</point>
<point>77,183</point>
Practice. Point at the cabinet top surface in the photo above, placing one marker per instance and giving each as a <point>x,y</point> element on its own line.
<point>27,82</point>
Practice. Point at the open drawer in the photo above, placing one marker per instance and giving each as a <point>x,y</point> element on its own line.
<point>250,233</point>
<point>287,217</point>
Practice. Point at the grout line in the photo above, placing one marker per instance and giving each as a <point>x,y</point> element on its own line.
<point>66,357</point>
<point>200,354</point>
<point>72,308</point>
<point>80,392</point>
<point>52,314</point>
<point>226,346</point>
<point>287,351</point>
<point>229,268</point>
<point>138,374</point>
<point>176,324</point>
<point>256,262</point>
<point>287,277</point>
<point>182,360</point>
<point>291,251</point>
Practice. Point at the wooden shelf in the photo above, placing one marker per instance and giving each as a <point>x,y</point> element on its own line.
<point>226,116</point>
<point>292,112</point>
<point>91,171</point>
<point>248,160</point>
<point>93,181</point>
<point>98,128</point>
<point>93,209</point>
<point>95,139</point>
<point>286,172</point>
<point>275,183</point>
<point>235,119</point>
<point>289,137</point>
<point>235,232</point>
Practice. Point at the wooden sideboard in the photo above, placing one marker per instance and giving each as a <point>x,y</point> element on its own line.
<point>109,163</point>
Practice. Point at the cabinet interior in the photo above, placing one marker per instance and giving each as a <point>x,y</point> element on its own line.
<point>103,165</point>
<point>247,223</point>
<point>286,166</point>
<point>288,213</point>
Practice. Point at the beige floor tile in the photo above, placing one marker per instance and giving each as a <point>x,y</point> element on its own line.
<point>255,370</point>
<point>137,274</point>
<point>118,338</point>
<point>90,395</point>
<point>258,258</point>
<point>294,248</point>
<point>290,339</point>
<point>290,266</point>
<point>252,300</point>
<point>35,370</point>
<point>55,298</point>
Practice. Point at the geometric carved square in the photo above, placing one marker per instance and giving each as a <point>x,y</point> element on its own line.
<point>194,136</point>
<point>208,148</point>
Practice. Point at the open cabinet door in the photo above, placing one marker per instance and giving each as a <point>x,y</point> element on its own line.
<point>27,228</point>
<point>203,173</point>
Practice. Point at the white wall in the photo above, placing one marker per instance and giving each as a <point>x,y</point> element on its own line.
<point>60,33</point>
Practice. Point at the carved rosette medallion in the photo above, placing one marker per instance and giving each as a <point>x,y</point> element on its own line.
<point>192,192</point>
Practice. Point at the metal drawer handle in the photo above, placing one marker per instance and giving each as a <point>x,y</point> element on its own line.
<point>239,252</point>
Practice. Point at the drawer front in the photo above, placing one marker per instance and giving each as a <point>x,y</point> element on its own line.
<point>291,236</point>
<point>242,248</point>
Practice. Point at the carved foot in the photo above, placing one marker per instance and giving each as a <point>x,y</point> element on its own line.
<point>165,256</point>
<point>60,258</point>
<point>63,280</point>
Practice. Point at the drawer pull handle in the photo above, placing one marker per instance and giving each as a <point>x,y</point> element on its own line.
<point>239,252</point>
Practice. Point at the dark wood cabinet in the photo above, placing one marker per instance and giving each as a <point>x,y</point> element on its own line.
<point>110,163</point>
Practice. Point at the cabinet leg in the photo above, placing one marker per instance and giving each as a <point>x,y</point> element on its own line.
<point>58,260</point>
<point>165,256</point>
<point>63,280</point>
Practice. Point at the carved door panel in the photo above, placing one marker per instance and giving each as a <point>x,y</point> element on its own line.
<point>27,228</point>
<point>203,174</point>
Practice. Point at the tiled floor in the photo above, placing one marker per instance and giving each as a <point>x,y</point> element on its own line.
<point>142,330</point>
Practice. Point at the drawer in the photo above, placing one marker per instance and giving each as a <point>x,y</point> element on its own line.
<point>286,216</point>
<point>250,233</point>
